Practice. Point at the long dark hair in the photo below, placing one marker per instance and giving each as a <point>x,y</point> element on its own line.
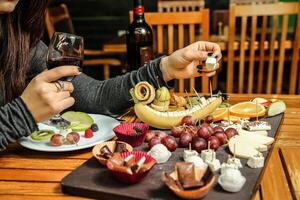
<point>20,31</point>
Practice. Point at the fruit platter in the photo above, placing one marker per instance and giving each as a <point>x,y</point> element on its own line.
<point>82,131</point>
<point>188,147</point>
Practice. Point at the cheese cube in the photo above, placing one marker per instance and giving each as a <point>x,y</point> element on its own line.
<point>211,63</point>
<point>208,155</point>
<point>256,161</point>
<point>214,165</point>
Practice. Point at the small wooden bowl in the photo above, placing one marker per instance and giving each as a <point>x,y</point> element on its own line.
<point>195,193</point>
<point>111,145</point>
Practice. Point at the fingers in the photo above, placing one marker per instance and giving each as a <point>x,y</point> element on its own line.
<point>65,103</point>
<point>62,95</point>
<point>67,86</point>
<point>210,47</point>
<point>58,72</point>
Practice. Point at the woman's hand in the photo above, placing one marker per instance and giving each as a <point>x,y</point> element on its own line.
<point>44,97</point>
<point>188,62</point>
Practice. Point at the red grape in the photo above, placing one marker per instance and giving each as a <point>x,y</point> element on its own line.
<point>209,119</point>
<point>230,132</point>
<point>57,140</point>
<point>185,139</point>
<point>187,120</point>
<point>73,138</point>
<point>170,142</point>
<point>149,135</point>
<point>199,144</point>
<point>176,131</point>
<point>192,130</point>
<point>203,132</point>
<point>218,129</point>
<point>222,137</point>
<point>214,142</point>
<point>155,140</point>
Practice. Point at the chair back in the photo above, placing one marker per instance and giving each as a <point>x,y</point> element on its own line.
<point>58,19</point>
<point>265,51</point>
<point>172,31</point>
<point>180,5</point>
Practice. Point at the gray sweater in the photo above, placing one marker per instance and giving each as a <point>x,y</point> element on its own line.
<point>92,96</point>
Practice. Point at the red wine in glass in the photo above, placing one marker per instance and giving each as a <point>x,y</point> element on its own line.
<point>61,61</point>
<point>65,50</point>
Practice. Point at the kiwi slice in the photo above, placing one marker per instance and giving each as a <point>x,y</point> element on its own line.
<point>42,134</point>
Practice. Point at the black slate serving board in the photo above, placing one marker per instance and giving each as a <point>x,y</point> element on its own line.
<point>93,180</point>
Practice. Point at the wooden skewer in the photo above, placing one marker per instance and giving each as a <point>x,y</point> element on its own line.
<point>210,88</point>
<point>196,94</point>
<point>234,150</point>
<point>228,116</point>
<point>190,103</point>
<point>256,110</point>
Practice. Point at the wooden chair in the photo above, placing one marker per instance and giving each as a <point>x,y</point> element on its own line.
<point>265,46</point>
<point>180,5</point>
<point>240,2</point>
<point>58,19</point>
<point>170,33</point>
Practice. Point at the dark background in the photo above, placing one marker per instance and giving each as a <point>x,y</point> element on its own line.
<point>99,21</point>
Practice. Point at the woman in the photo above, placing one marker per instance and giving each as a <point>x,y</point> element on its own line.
<point>28,92</point>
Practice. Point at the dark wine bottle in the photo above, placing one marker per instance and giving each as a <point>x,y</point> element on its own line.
<point>139,39</point>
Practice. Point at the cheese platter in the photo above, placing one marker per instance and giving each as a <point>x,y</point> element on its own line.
<point>217,150</point>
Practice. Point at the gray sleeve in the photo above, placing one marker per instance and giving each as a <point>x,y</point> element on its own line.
<point>37,62</point>
<point>112,96</point>
<point>15,121</point>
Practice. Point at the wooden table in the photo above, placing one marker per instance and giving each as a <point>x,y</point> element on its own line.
<point>26,174</point>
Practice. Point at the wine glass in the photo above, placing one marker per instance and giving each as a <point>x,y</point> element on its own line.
<point>64,49</point>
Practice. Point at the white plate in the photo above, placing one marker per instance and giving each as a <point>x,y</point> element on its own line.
<point>105,132</point>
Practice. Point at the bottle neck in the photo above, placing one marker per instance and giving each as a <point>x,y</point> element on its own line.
<point>139,11</point>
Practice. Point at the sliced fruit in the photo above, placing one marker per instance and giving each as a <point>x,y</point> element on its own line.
<point>219,114</point>
<point>233,118</point>
<point>167,120</point>
<point>276,108</point>
<point>80,121</point>
<point>247,110</point>
<point>42,135</point>
<point>262,101</point>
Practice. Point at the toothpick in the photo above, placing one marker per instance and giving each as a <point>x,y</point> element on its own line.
<point>256,110</point>
<point>157,81</point>
<point>228,116</point>
<point>190,103</point>
<point>234,150</point>
<point>190,146</point>
<point>196,94</point>
<point>208,145</point>
<point>210,88</point>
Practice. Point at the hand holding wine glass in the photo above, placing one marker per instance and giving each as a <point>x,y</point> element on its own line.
<point>49,93</point>
<point>41,96</point>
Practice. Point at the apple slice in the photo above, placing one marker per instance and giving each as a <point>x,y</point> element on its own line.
<point>80,121</point>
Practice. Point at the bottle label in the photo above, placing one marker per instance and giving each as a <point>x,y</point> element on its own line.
<point>146,54</point>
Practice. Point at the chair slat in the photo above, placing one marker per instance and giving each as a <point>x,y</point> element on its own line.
<point>192,40</point>
<point>252,54</point>
<point>242,55</point>
<point>181,45</point>
<point>295,60</point>
<point>272,54</point>
<point>262,54</point>
<point>170,39</point>
<point>160,39</point>
<point>282,53</point>
<point>231,40</point>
